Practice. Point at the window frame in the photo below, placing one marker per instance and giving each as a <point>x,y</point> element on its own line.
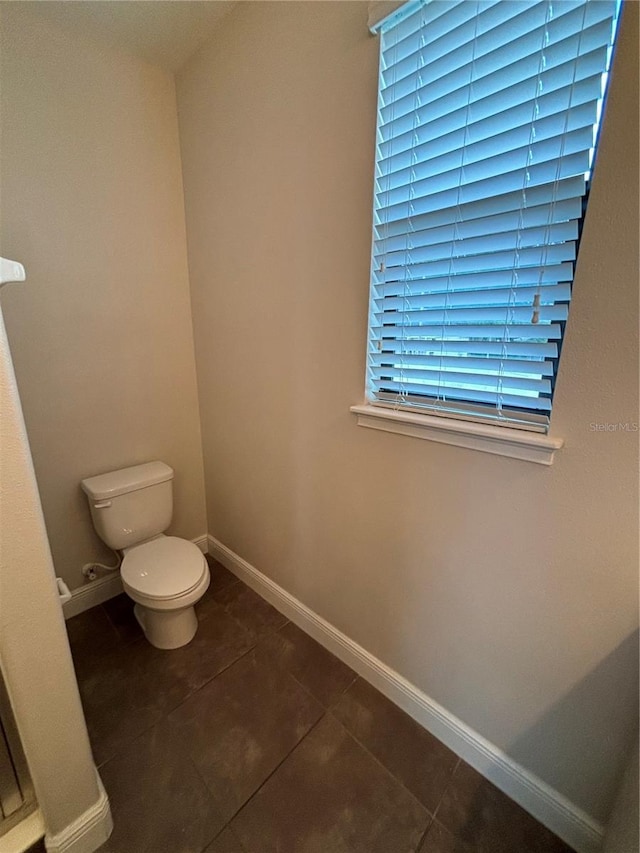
<point>528,439</point>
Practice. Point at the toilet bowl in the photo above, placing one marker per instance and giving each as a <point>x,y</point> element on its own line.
<point>165,578</point>
<point>164,575</point>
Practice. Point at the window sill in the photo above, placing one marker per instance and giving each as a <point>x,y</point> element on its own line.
<point>501,441</point>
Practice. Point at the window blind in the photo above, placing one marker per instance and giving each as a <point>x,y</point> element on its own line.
<point>488,118</point>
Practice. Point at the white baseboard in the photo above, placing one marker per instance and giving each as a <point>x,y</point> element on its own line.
<point>24,834</point>
<point>547,805</point>
<point>97,592</point>
<point>88,832</point>
<point>92,594</point>
<point>202,542</point>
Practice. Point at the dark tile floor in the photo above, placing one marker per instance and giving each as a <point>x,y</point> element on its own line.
<point>254,739</point>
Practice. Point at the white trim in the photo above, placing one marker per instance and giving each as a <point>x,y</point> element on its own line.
<point>380,12</point>
<point>24,834</point>
<point>546,804</point>
<point>202,542</point>
<point>101,590</point>
<point>92,594</point>
<point>88,832</point>
<point>501,441</point>
<point>11,271</point>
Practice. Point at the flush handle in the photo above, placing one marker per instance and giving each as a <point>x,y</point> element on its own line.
<point>101,504</point>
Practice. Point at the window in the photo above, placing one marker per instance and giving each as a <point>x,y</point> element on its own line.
<point>488,120</point>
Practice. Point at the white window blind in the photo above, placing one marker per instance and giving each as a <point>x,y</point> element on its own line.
<point>488,119</point>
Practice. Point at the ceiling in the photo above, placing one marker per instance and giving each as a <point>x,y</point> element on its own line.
<point>164,32</point>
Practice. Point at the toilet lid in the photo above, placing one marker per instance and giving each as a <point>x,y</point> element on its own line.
<point>163,568</point>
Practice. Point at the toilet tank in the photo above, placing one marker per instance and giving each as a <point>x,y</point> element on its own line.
<point>131,505</point>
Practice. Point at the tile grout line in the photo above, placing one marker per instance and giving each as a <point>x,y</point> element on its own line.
<point>248,651</point>
<point>437,808</point>
<point>165,715</point>
<point>257,640</point>
<point>275,769</point>
<point>326,710</point>
<point>195,768</point>
<point>243,849</point>
<point>193,692</point>
<point>424,836</point>
<point>324,713</point>
<point>386,769</point>
<point>297,680</point>
<point>446,787</point>
<point>329,710</point>
<point>196,690</point>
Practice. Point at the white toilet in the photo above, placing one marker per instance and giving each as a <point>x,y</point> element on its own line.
<point>164,575</point>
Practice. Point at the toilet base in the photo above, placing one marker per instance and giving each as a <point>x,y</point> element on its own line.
<point>167,629</point>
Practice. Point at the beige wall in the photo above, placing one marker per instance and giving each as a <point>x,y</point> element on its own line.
<point>623,832</point>
<point>34,652</point>
<point>101,331</point>
<point>504,590</point>
<point>507,591</point>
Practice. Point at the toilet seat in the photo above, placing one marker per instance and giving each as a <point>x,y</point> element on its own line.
<point>163,569</point>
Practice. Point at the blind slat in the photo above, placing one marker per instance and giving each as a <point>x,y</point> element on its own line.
<point>537,256</point>
<point>488,118</point>
<point>485,139</point>
<point>560,157</point>
<point>500,316</point>
<point>458,247</point>
<point>498,332</point>
<point>507,349</point>
<point>517,296</point>
<point>461,105</point>
<point>571,189</point>
<point>527,220</point>
<point>456,194</point>
<point>475,282</point>
<point>430,20</point>
<point>461,364</point>
<point>445,391</point>
<point>496,380</point>
<point>453,63</point>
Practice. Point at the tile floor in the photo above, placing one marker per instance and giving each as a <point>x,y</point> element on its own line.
<point>254,739</point>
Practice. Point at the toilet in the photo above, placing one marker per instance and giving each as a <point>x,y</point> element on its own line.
<point>164,575</point>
